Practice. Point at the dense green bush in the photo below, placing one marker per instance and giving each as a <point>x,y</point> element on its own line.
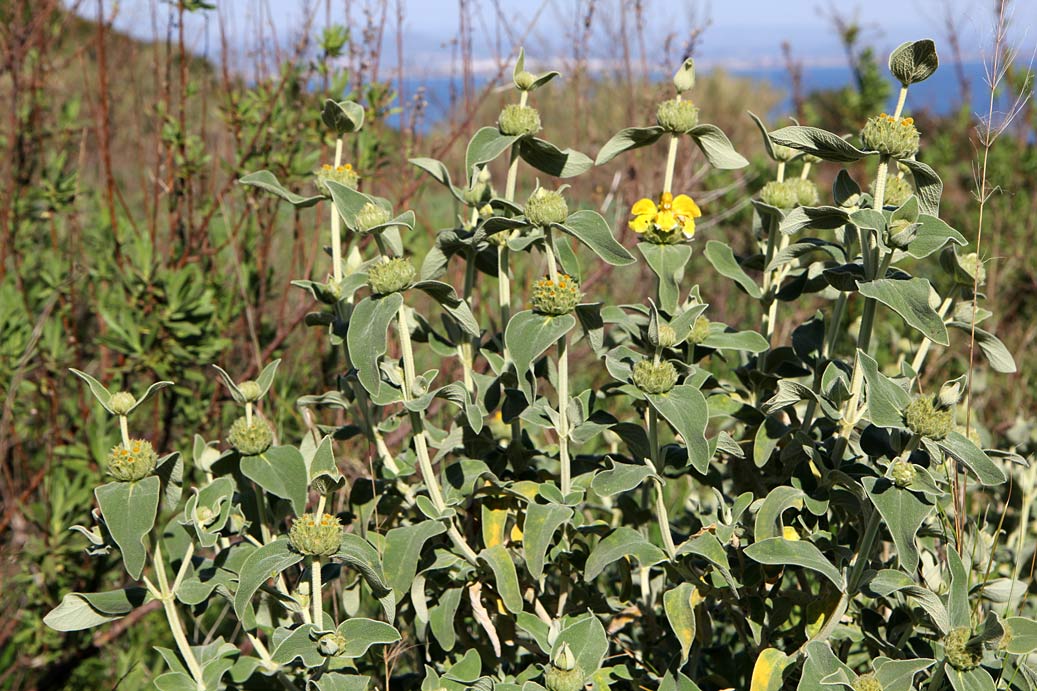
<point>697,506</point>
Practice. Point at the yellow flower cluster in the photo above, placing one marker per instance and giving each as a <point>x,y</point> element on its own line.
<point>661,223</point>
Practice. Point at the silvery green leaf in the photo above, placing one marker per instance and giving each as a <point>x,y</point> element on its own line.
<point>977,679</point>
<point>684,77</point>
<point>441,617</point>
<point>720,338</point>
<point>175,681</point>
<point>999,357</point>
<point>300,644</point>
<point>621,542</point>
<point>844,188</point>
<point>343,117</point>
<point>361,634</point>
<point>958,596</point>
<point>627,140</point>
<point>402,551</point>
<point>538,529</point>
<point>886,400</point>
<point>723,260</point>
<point>668,263</point>
<point>821,143</point>
<point>129,510</point>
<point>587,639</point>
<point>767,143</point>
<point>910,299</point>
<point>504,575</point>
<point>444,294</point>
<point>262,564</point>
<point>79,611</point>
<point>338,681</point>
<point>708,546</point>
<point>322,465</point>
<point>903,513</point>
<point>914,61</point>
<point>439,172</point>
<point>170,471</point>
<point>349,202</point>
<point>1024,635</point>
<point>931,235</point>
<point>814,217</point>
<point>680,613</point>
<point>485,145</point>
<point>593,231</point>
<point>567,258</point>
<point>962,449</point>
<point>685,408</point>
<point>899,675</point>
<point>152,390</point>
<point>367,336</point>
<point>820,662</point>
<point>281,471</point>
<point>546,157</point>
<point>717,148</point>
<point>621,477</point>
<point>96,388</point>
<point>229,382</point>
<point>928,186</point>
<point>266,377</point>
<point>266,180</point>
<point>528,334</point>
<point>768,517</point>
<point>778,551</point>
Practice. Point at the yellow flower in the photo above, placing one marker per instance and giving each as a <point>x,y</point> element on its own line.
<point>672,214</point>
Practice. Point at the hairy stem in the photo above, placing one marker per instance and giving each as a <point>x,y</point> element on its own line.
<point>660,500</point>
<point>563,415</point>
<point>176,626</point>
<point>124,430</point>
<point>316,596</point>
<point>336,226</point>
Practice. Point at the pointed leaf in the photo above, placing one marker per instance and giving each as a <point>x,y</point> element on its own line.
<point>265,180</point>
<point>910,299</point>
<point>593,231</point>
<point>627,140</point>
<point>717,147</point>
<point>129,510</point>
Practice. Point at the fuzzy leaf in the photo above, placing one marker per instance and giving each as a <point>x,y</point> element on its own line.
<point>262,564</point>
<point>343,117</point>
<point>367,335</point>
<point>910,299</point>
<point>504,574</point>
<point>129,510</point>
<point>960,448</point>
<point>548,158</point>
<point>999,357</point>
<point>402,551</point>
<point>265,180</point>
<point>79,611</point>
<point>781,552</point>
<point>903,513</point>
<point>538,529</point>
<point>485,145</point>
<point>685,408</point>
<point>717,147</point>
<point>668,263</point>
<point>680,613</point>
<point>529,334</point>
<point>821,143</point>
<point>621,542</point>
<point>361,634</point>
<point>768,670</point>
<point>281,471</point>
<point>914,61</point>
<point>723,260</point>
<point>593,231</point>
<point>627,140</point>
<point>928,186</point>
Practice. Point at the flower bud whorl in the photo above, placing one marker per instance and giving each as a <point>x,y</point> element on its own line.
<point>250,391</point>
<point>391,276</point>
<point>898,191</point>
<point>949,395</point>
<point>556,297</point>
<point>518,121</point>
<point>136,462</point>
<point>331,644</point>
<point>782,153</point>
<point>250,440</point>
<point>666,337</point>
<point>343,175</point>
<point>699,330</point>
<point>654,377</point>
<point>973,268</point>
<point>960,653</point>
<point>677,116</point>
<point>924,417</point>
<point>894,137</point>
<point>371,216</point>
<point>806,192</point>
<point>780,194</point>
<point>546,207</point>
<point>524,80</point>
<point>563,674</point>
<point>867,682</point>
<point>122,402</point>
<point>316,537</point>
<point>902,473</point>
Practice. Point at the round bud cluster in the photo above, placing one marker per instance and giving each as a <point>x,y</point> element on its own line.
<point>898,191</point>
<point>524,80</point>
<point>122,402</point>
<point>343,175</point>
<point>654,377</point>
<point>973,268</point>
<point>901,232</point>
<point>780,194</point>
<point>894,137</point>
<point>677,116</point>
<point>563,674</point>
<point>250,440</point>
<point>556,297</point>
<point>806,192</point>
<point>867,682</point>
<point>316,537</point>
<point>371,216</point>
<point>960,653</point>
<point>699,330</point>
<point>546,207</point>
<point>926,418</point>
<point>204,516</point>
<point>666,337</point>
<point>902,473</point>
<point>518,121</point>
<point>476,195</point>
<point>782,153</point>
<point>132,463</point>
<point>250,390</point>
<point>391,276</point>
<point>331,644</point>
<point>811,159</point>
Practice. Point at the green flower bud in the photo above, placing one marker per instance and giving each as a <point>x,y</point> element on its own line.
<point>545,207</point>
<point>949,395</point>
<point>806,192</point>
<point>923,416</point>
<point>677,116</point>
<point>331,644</point>
<point>204,516</point>
<point>779,194</point>
<point>902,473</point>
<point>250,440</point>
<point>971,267</point>
<point>316,537</point>
<point>867,682</point>
<point>476,195</point>
<point>811,159</point>
<point>250,390</point>
<point>564,658</point>
<point>901,232</point>
<point>782,153</point>
<point>133,463</point>
<point>563,674</point>
<point>898,191</point>
<point>524,80</point>
<point>556,297</point>
<point>666,338</point>
<point>391,276</point>
<point>699,331</point>
<point>343,175</point>
<point>652,377</point>
<point>518,121</point>
<point>371,216</point>
<point>122,402</point>
<point>895,137</point>
<point>960,653</point>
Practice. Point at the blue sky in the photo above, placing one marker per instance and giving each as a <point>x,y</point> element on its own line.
<point>741,33</point>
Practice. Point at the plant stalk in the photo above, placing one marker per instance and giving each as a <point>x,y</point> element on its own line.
<point>336,226</point>
<point>176,626</point>
<point>660,500</point>
<point>124,430</point>
<point>316,596</point>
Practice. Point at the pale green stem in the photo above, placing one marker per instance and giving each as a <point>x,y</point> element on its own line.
<point>671,163</point>
<point>770,277</point>
<point>321,502</point>
<point>563,415</point>
<point>926,344</point>
<point>336,226</point>
<point>421,443</point>
<point>124,429</point>
<point>504,268</point>
<point>901,99</point>
<point>803,174</point>
<point>466,350</point>
<point>660,500</point>
<point>248,413</point>
<point>780,177</point>
<point>316,596</point>
<point>176,626</point>
<point>832,333</point>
